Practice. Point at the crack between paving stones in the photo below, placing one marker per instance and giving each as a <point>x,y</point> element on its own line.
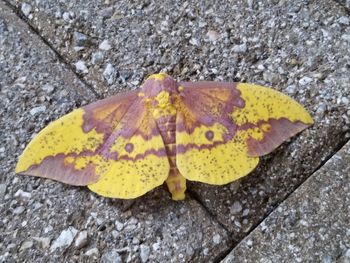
<point>222,255</point>
<point>60,57</point>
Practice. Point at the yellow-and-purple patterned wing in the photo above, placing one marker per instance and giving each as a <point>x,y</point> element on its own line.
<point>222,128</point>
<point>112,145</point>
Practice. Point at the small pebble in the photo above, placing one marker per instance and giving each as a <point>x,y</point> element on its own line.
<point>217,239</point>
<point>344,20</point>
<point>19,210</point>
<point>81,240</point>
<point>43,241</point>
<point>242,48</point>
<point>119,225</point>
<point>111,257</point>
<point>291,89</point>
<point>23,195</point>
<point>346,37</point>
<point>156,246</point>
<point>92,252</point>
<point>26,9</point>
<point>270,77</point>
<point>65,239</point>
<point>236,207</point>
<point>213,35</point>
<point>48,88</point>
<point>96,57</point>
<point>67,16</point>
<point>104,45</point>
<point>80,39</point>
<point>327,259</point>
<point>305,80</point>
<point>110,74</point>
<point>345,100</point>
<point>194,41</point>
<point>81,67</point>
<point>245,212</point>
<point>144,253</point>
<point>2,190</point>
<point>37,110</point>
<point>25,245</point>
<point>249,242</point>
<point>321,109</point>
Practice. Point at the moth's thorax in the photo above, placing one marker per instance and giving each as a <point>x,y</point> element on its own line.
<point>160,93</point>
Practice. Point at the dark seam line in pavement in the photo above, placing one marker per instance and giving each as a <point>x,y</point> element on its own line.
<point>59,56</point>
<point>223,255</point>
<point>334,152</point>
<point>347,10</point>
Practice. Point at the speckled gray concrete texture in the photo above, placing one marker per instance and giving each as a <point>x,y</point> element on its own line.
<point>301,48</point>
<point>298,47</point>
<point>311,225</point>
<point>45,221</point>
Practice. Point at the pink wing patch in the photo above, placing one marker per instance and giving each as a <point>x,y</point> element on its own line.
<point>279,131</point>
<point>207,103</point>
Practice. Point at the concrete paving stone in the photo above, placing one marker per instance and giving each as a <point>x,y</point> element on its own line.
<point>304,45</point>
<point>46,221</point>
<point>311,225</point>
<point>298,47</point>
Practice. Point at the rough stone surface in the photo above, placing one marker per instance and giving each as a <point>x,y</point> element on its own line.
<point>41,219</point>
<point>299,47</point>
<point>312,225</point>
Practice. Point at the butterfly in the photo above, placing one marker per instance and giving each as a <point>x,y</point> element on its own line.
<point>167,131</point>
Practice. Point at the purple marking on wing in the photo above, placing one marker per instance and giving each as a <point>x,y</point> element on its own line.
<point>137,121</point>
<point>181,148</point>
<point>209,135</point>
<point>104,115</point>
<point>54,167</point>
<point>129,147</point>
<point>207,103</point>
<point>281,129</point>
<point>159,153</point>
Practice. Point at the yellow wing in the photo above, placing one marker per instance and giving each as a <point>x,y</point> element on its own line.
<point>112,146</point>
<point>222,128</point>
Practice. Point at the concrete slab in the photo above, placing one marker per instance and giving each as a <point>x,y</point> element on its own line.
<point>311,225</point>
<point>46,221</point>
<point>298,47</point>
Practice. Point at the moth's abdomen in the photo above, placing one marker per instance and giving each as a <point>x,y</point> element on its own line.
<point>167,129</point>
<point>175,181</point>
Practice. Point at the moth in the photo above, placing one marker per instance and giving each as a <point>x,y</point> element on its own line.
<point>167,131</point>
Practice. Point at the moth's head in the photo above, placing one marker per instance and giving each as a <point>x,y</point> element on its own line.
<point>157,83</point>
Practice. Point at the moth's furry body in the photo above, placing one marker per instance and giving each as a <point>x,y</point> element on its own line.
<point>161,99</point>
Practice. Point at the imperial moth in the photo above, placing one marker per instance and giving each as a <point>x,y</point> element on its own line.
<point>128,144</point>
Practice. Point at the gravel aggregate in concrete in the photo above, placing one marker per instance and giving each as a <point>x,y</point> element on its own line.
<point>298,47</point>
<point>311,225</point>
<point>46,221</point>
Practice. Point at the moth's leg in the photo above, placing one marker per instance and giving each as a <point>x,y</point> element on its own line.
<point>176,184</point>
